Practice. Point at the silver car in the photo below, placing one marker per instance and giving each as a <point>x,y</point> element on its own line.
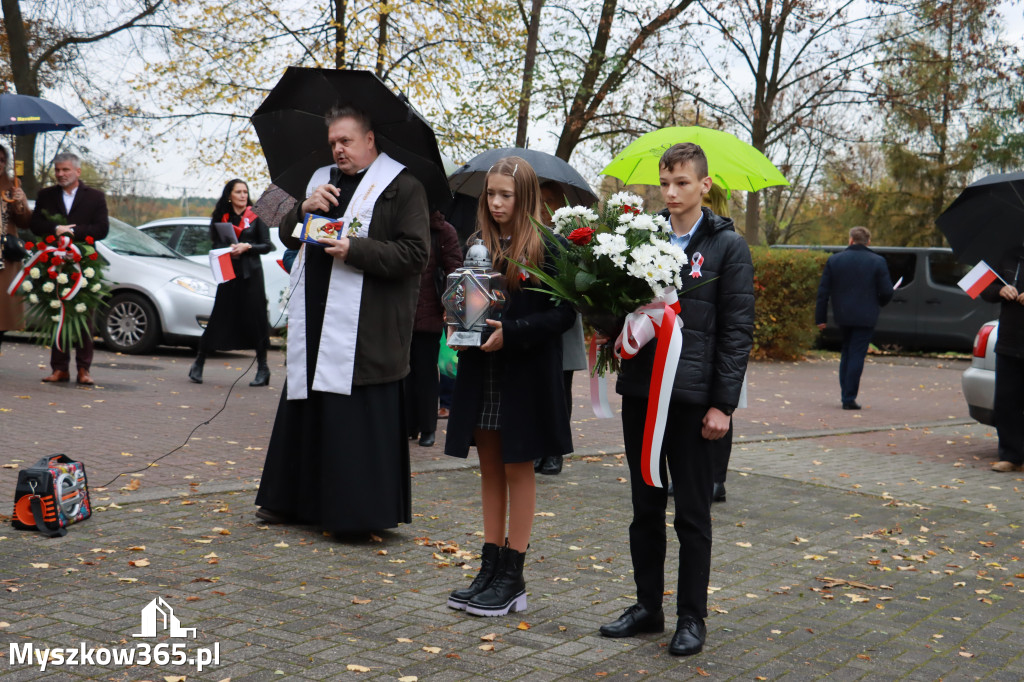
<point>157,296</point>
<point>979,380</point>
<point>191,238</point>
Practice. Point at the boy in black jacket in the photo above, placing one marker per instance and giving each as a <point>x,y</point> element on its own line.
<point>717,302</point>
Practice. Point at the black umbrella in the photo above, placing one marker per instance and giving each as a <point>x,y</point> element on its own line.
<point>290,125</point>
<point>469,179</point>
<point>24,115</point>
<point>986,219</point>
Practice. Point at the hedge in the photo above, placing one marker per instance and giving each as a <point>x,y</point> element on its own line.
<point>785,289</point>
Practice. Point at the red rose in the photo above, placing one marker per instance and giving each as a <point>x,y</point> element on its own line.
<point>89,240</point>
<point>630,209</point>
<point>30,245</point>
<point>53,274</point>
<point>77,258</point>
<point>93,256</point>
<point>581,236</point>
<point>55,259</point>
<point>50,239</point>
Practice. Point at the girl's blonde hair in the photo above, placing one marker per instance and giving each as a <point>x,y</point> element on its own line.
<point>526,245</point>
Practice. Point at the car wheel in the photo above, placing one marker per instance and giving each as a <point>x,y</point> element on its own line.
<point>130,324</point>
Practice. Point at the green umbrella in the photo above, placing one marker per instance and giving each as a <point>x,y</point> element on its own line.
<point>732,163</point>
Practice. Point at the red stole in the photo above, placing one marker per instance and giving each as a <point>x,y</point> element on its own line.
<point>247,218</point>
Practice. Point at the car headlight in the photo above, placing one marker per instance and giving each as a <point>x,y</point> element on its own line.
<point>196,286</point>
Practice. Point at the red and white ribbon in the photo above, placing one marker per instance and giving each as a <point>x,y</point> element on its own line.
<point>658,321</point>
<point>46,254</point>
<point>695,263</point>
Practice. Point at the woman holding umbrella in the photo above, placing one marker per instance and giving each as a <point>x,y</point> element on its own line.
<point>239,317</point>
<point>508,392</point>
<point>14,214</point>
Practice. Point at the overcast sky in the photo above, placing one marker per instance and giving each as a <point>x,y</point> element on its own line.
<point>168,173</point>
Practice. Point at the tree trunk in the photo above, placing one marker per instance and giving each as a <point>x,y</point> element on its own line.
<point>24,84</point>
<point>382,38</point>
<point>527,92</point>
<point>339,34</point>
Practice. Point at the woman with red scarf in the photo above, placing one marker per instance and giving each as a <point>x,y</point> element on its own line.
<point>239,317</point>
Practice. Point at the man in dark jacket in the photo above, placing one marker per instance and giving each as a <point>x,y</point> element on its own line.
<point>70,208</point>
<point>1009,404</point>
<point>350,321</point>
<point>857,281</point>
<point>717,310</point>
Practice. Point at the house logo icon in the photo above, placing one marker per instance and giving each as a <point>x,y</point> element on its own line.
<point>158,615</point>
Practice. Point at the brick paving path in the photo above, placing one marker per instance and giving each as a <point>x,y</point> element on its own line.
<point>897,498</point>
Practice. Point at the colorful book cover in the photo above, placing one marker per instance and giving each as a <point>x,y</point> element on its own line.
<point>315,227</point>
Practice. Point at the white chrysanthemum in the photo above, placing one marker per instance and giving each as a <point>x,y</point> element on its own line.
<point>55,318</point>
<point>568,218</point>
<point>62,278</point>
<point>48,287</point>
<point>64,292</point>
<point>54,304</point>
<point>32,298</point>
<point>26,285</point>
<point>624,199</point>
<point>610,244</point>
<point>81,308</point>
<point>88,272</point>
<point>643,221</point>
<point>673,251</point>
<point>95,287</point>
<point>662,224</point>
<point>34,273</point>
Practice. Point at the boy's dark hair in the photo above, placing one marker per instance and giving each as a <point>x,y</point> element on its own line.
<point>340,112</point>
<point>685,152</point>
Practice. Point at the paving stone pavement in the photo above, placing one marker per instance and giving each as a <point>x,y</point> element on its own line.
<point>872,546</point>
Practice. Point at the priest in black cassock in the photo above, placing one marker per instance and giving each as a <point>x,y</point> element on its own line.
<point>338,455</point>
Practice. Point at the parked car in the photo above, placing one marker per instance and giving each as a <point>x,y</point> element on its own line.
<point>979,380</point>
<point>928,311</point>
<point>191,238</point>
<point>157,296</point>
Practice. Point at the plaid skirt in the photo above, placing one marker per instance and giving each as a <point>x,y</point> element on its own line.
<point>489,417</point>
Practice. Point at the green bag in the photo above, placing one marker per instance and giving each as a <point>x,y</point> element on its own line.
<point>447,359</point>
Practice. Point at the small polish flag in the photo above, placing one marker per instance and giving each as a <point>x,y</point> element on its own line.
<point>975,281</point>
<point>220,263</point>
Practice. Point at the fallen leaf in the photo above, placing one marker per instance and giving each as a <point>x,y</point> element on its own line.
<point>523,625</point>
<point>137,548</point>
<point>357,668</point>
<point>486,647</point>
<point>281,544</point>
<point>40,565</point>
<point>174,678</point>
<point>743,544</point>
<point>432,649</point>
<point>4,624</point>
<point>702,672</point>
<point>127,580</point>
<point>490,637</point>
<point>139,563</point>
<point>404,639</point>
<point>965,654</point>
<point>357,600</point>
<point>133,485</point>
<point>408,678</point>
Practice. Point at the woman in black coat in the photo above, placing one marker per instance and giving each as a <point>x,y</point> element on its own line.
<point>239,317</point>
<point>509,396</point>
